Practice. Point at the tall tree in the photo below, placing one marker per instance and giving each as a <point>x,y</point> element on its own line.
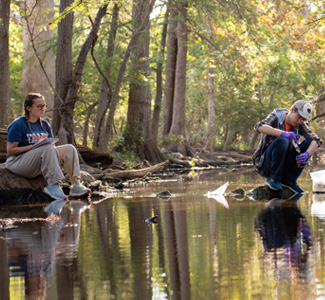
<point>67,88</point>
<point>211,108</point>
<point>170,72</point>
<point>138,129</point>
<point>105,94</point>
<point>105,134</point>
<point>63,68</point>
<point>4,60</point>
<point>159,81</point>
<point>211,94</point>
<point>177,128</point>
<point>38,55</point>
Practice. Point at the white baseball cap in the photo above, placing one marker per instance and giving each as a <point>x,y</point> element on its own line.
<point>304,108</point>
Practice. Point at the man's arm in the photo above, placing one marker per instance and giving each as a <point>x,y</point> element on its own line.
<point>312,147</point>
<point>267,129</point>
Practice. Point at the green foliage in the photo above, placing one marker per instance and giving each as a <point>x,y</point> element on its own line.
<point>16,66</point>
<point>128,157</point>
<point>265,54</point>
<point>99,166</point>
<point>192,162</point>
<point>173,139</point>
<point>267,60</point>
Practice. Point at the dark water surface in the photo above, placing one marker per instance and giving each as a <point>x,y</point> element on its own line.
<point>199,248</point>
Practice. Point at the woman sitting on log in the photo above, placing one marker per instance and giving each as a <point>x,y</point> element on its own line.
<point>28,161</point>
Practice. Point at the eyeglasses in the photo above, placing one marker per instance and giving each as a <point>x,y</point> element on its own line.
<point>41,106</point>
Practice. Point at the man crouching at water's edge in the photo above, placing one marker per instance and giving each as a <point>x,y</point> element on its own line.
<point>278,157</point>
<point>28,161</point>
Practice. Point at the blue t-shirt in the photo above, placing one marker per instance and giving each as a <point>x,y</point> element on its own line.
<point>18,131</point>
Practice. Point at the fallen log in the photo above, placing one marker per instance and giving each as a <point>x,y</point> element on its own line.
<point>95,158</point>
<point>3,140</point>
<point>9,180</point>
<point>18,190</point>
<point>131,174</point>
<point>3,145</point>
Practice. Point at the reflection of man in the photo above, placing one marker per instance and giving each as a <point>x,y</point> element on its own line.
<point>282,225</point>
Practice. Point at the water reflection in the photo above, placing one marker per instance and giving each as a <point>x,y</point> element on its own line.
<point>285,235</point>
<point>196,249</point>
<point>37,255</point>
<point>318,206</point>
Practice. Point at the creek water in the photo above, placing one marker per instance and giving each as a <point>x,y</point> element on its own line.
<point>199,248</point>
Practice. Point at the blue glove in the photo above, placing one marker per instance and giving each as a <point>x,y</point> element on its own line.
<point>290,135</point>
<point>303,157</point>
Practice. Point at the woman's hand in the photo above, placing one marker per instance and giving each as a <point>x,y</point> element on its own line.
<point>40,139</point>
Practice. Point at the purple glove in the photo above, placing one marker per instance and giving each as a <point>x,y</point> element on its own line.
<point>303,157</point>
<point>289,135</point>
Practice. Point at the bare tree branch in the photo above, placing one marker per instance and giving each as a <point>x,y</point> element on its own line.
<point>96,63</point>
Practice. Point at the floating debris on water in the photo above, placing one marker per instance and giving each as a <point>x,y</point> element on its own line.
<point>152,220</point>
<point>238,193</point>
<point>218,195</point>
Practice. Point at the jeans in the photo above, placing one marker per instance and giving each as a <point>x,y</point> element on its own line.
<point>280,161</point>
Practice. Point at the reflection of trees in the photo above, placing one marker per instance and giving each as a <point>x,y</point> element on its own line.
<point>67,266</point>
<point>4,276</point>
<point>175,221</point>
<point>136,254</point>
<point>110,246</point>
<point>212,237</point>
<point>141,243</point>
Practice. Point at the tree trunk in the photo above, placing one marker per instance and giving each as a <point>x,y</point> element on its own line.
<point>178,121</point>
<point>169,74</point>
<point>86,124</point>
<point>211,110</point>
<point>64,66</point>
<point>253,140</point>
<point>159,90</point>
<point>39,13</point>
<point>228,134</point>
<point>320,111</point>
<point>139,104</point>
<point>105,93</point>
<point>138,131</point>
<point>65,130</point>
<point>4,60</point>
<point>105,134</point>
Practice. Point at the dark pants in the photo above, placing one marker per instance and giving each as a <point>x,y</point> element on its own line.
<point>280,161</point>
